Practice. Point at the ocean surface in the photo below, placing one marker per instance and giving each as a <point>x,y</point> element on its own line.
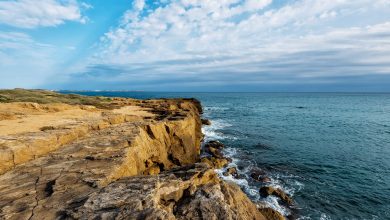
<point>329,151</point>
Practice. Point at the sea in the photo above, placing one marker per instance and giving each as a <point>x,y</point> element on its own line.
<point>329,151</point>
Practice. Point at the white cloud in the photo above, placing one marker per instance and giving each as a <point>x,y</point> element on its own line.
<point>139,4</point>
<point>191,29</point>
<point>41,13</point>
<point>245,41</point>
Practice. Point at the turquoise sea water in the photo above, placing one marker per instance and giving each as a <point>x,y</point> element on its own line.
<point>330,151</point>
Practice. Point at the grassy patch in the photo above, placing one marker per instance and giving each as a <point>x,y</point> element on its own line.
<point>45,97</point>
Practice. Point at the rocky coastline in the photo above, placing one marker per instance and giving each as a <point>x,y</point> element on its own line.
<point>77,157</point>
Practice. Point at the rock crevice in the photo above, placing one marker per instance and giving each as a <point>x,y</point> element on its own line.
<point>122,165</point>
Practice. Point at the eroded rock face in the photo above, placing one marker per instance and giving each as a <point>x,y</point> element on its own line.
<point>268,190</point>
<point>191,192</point>
<point>271,214</point>
<point>86,160</point>
<point>117,165</point>
<point>216,163</point>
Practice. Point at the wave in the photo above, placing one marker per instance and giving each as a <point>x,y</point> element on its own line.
<point>215,109</point>
<point>251,190</point>
<point>215,132</point>
<point>208,110</point>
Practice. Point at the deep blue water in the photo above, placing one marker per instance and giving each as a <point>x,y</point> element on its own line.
<point>330,151</point>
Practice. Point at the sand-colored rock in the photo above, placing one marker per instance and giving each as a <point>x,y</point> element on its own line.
<point>74,160</point>
<point>45,128</point>
<point>231,171</point>
<point>190,192</point>
<point>268,190</point>
<point>271,214</point>
<point>214,144</point>
<point>216,163</point>
<point>119,159</point>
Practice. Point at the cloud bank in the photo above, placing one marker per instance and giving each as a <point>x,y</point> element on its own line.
<point>190,44</point>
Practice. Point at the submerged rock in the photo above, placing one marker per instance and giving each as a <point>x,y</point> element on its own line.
<point>260,177</point>
<point>265,179</point>
<point>206,122</point>
<point>257,173</point>
<point>266,191</point>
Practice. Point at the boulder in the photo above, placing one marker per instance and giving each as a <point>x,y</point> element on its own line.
<point>214,144</point>
<point>206,122</point>
<point>260,178</point>
<point>216,163</point>
<point>214,152</point>
<point>266,191</point>
<point>231,171</point>
<point>257,173</point>
<point>265,179</point>
<point>214,149</point>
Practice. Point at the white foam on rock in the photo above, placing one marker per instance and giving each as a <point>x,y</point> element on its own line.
<point>213,132</point>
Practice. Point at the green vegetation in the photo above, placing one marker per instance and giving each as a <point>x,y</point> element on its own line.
<point>45,97</point>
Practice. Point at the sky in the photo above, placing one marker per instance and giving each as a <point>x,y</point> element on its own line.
<point>196,45</point>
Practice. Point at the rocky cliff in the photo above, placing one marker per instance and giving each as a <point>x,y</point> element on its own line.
<point>114,159</point>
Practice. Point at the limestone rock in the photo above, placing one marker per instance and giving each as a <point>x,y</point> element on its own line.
<point>268,190</point>
<point>206,122</point>
<point>192,192</point>
<point>214,144</point>
<point>52,170</point>
<point>216,163</point>
<point>231,171</point>
<point>271,214</point>
<point>215,152</point>
<point>111,158</point>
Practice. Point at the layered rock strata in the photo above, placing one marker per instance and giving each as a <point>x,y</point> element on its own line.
<point>128,160</point>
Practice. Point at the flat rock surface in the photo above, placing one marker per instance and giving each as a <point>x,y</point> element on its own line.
<point>123,159</point>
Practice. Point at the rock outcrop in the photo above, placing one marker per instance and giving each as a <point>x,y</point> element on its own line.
<point>189,192</point>
<point>123,159</point>
<point>266,191</point>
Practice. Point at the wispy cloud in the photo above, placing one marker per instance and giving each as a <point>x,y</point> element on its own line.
<point>23,61</point>
<point>246,41</point>
<point>42,13</point>
<point>26,61</point>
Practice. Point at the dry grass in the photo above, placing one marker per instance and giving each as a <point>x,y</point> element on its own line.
<point>46,97</point>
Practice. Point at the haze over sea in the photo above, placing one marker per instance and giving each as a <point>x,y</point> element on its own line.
<point>330,151</point>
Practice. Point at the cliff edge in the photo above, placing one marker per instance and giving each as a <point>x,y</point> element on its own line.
<point>77,157</point>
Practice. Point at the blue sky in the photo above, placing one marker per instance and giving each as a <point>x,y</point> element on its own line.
<point>196,45</point>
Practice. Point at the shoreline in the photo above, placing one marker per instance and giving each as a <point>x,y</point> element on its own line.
<point>147,157</point>
<point>280,202</point>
